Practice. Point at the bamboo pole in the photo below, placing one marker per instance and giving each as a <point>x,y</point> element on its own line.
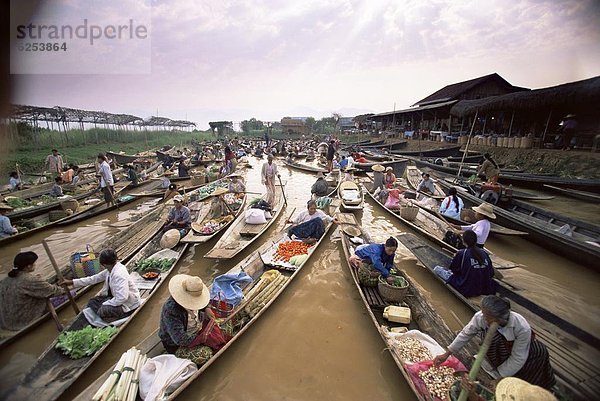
<point>512,117</point>
<point>546,128</point>
<point>466,146</point>
<point>479,359</point>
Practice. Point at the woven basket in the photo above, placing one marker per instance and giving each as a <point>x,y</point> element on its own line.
<point>55,215</point>
<point>391,293</point>
<point>409,212</point>
<point>198,180</point>
<point>70,204</point>
<point>366,276</point>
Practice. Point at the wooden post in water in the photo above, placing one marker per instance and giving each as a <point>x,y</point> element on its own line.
<point>466,147</point>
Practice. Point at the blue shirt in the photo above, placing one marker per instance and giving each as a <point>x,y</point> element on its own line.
<point>469,277</point>
<point>343,163</point>
<point>376,254</point>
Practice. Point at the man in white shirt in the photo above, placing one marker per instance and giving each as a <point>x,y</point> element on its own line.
<point>119,297</point>
<point>106,179</point>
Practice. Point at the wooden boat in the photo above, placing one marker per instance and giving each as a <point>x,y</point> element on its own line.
<point>212,208</point>
<point>425,202</point>
<point>434,228</point>
<point>125,244</point>
<point>413,176</point>
<point>439,152</point>
<point>573,193</point>
<point>122,158</point>
<point>391,146</point>
<point>303,167</point>
<point>54,372</point>
<point>425,317</point>
<point>47,205</point>
<point>364,143</point>
<point>582,246</point>
<point>507,194</point>
<point>524,179</point>
<point>98,209</point>
<point>351,195</point>
<point>239,234</point>
<point>576,365</point>
<point>254,265</point>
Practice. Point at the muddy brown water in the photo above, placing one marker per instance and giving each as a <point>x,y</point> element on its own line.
<point>317,341</point>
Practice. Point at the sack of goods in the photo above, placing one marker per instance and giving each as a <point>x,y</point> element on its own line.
<point>255,216</point>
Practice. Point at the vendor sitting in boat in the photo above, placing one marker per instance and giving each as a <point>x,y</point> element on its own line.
<point>119,297</point>
<point>378,257</point>
<point>57,190</point>
<point>187,323</point>
<point>320,187</point>
<point>24,295</point>
<point>132,175</point>
<point>14,182</point>
<point>6,228</point>
<point>514,351</point>
<point>182,169</point>
<point>309,225</point>
<point>452,205</point>
<point>236,184</point>
<point>489,170</point>
<point>179,216</point>
<point>482,226</point>
<point>426,184</point>
<point>471,271</point>
<point>393,198</point>
<point>389,178</point>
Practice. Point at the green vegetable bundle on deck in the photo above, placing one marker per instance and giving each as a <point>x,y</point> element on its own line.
<point>85,342</point>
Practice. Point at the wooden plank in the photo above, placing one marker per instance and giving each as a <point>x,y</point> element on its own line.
<point>346,218</point>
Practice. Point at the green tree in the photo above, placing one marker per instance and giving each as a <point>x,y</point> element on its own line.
<point>310,123</point>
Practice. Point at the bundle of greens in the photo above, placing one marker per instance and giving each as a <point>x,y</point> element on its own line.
<point>161,264</point>
<point>85,342</point>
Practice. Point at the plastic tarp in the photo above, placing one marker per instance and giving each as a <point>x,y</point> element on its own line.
<point>228,287</point>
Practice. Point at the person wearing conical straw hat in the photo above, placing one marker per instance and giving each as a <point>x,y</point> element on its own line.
<point>187,323</point>
<point>320,187</point>
<point>507,389</point>
<point>482,226</point>
<point>390,178</point>
<point>514,350</point>
<point>6,228</point>
<point>378,181</point>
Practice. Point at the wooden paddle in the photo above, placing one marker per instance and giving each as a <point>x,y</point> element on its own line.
<point>282,189</point>
<point>60,276</point>
<point>286,220</point>
<point>479,358</point>
<point>52,312</point>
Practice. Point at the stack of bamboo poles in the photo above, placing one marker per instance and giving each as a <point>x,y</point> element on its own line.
<point>123,382</point>
<point>268,285</point>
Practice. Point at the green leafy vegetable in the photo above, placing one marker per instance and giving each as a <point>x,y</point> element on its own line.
<point>85,342</point>
<point>162,264</point>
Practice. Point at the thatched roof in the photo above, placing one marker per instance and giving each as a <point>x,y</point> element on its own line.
<point>567,96</point>
<point>454,91</point>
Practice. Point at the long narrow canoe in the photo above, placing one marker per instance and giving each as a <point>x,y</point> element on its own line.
<point>582,246</point>
<point>439,152</point>
<point>239,235</point>
<point>213,209</point>
<point>122,158</point>
<point>392,146</point>
<point>54,372</point>
<point>434,228</point>
<point>413,176</point>
<point>574,353</point>
<point>524,179</point>
<point>573,193</point>
<point>423,201</point>
<point>127,244</point>
<point>254,266</point>
<point>351,195</point>
<point>425,317</point>
<point>303,167</point>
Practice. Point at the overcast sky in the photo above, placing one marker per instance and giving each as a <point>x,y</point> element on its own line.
<point>214,60</point>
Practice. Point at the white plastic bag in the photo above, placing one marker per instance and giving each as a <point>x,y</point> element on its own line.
<point>162,375</point>
<point>255,216</point>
